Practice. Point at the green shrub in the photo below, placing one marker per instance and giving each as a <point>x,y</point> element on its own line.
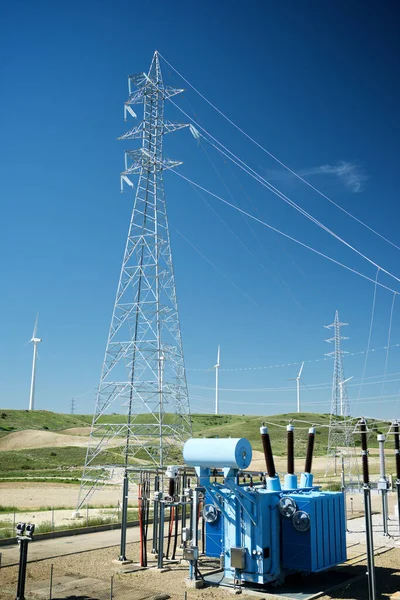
<point>5,533</point>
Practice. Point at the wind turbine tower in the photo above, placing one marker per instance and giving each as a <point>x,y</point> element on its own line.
<point>35,341</point>
<point>216,367</point>
<point>298,382</point>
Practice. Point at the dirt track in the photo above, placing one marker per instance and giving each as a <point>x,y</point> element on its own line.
<point>32,438</point>
<point>33,495</point>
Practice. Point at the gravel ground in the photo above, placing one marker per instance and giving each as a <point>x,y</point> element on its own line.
<point>87,576</point>
<point>99,567</point>
<point>387,572</point>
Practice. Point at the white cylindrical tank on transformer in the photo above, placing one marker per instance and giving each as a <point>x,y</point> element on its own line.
<point>216,453</point>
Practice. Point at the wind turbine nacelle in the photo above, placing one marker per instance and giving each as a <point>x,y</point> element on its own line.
<point>36,340</point>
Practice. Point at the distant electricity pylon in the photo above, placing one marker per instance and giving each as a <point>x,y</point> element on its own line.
<point>339,403</point>
<point>35,341</point>
<point>216,367</point>
<point>72,406</point>
<point>341,439</point>
<point>143,372</point>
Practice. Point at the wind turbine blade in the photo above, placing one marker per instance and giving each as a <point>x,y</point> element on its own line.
<point>301,369</point>
<point>35,326</point>
<point>218,354</point>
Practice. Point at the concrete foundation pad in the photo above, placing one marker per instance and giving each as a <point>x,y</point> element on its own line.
<point>195,584</point>
<point>131,568</point>
<point>116,561</point>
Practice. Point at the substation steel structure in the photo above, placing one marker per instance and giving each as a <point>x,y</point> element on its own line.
<point>257,528</point>
<point>143,373</point>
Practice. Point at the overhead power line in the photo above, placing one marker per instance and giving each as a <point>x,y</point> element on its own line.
<point>296,363</point>
<point>271,227</point>
<point>260,179</point>
<point>285,166</point>
<point>312,387</point>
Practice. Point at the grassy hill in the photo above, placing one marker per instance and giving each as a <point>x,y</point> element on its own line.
<point>67,462</point>
<point>17,420</point>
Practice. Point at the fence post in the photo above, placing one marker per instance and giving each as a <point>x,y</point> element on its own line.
<point>111,587</point>
<point>51,581</point>
<point>87,515</point>
<point>52,518</point>
<point>0,559</point>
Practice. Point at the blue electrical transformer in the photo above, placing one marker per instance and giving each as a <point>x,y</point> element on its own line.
<point>214,529</point>
<point>264,532</point>
<point>323,544</point>
<point>252,536</point>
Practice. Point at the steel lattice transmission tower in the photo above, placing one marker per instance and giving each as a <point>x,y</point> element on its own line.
<point>143,372</point>
<point>341,439</point>
<point>340,403</point>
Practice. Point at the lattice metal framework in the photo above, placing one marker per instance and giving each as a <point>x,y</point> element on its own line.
<point>340,403</point>
<point>143,373</point>
<point>341,438</point>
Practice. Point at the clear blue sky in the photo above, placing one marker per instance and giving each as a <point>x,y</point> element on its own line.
<point>316,83</point>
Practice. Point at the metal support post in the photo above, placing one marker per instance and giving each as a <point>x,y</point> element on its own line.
<point>155,525</point>
<point>161,536</point>
<point>23,557</point>
<point>156,514</point>
<point>398,498</point>
<point>343,486</point>
<point>122,552</point>
<point>368,513</point>
<point>383,483</point>
<point>51,582</point>
<point>183,499</point>
<point>397,456</point>
<point>370,543</point>
<point>195,532</point>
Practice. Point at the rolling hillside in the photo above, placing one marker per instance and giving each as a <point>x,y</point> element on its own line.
<point>43,444</point>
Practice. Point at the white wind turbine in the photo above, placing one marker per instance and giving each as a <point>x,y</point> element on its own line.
<point>216,367</point>
<point>298,381</point>
<point>341,384</point>
<point>35,341</point>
